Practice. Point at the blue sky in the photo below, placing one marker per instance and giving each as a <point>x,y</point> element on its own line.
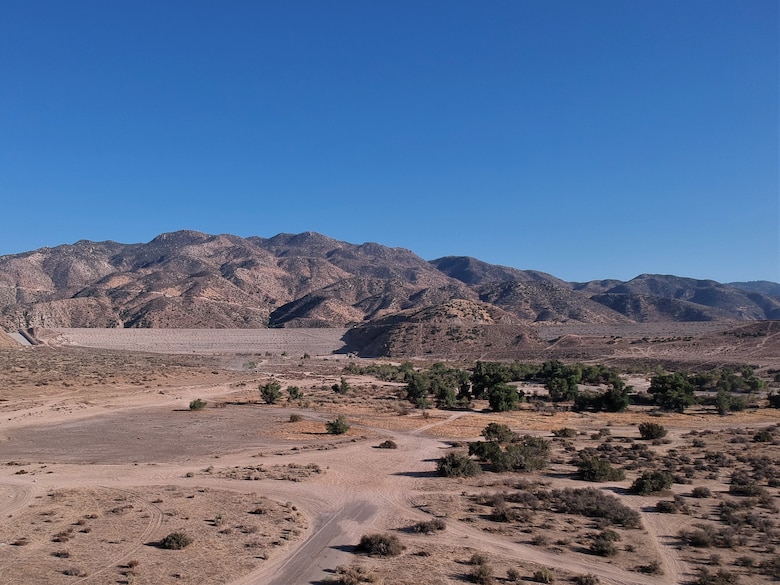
<point>599,139</point>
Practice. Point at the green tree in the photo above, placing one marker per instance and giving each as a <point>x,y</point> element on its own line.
<point>503,397</point>
<point>673,392</point>
<point>486,375</point>
<point>417,387</point>
<point>562,388</point>
<point>271,392</point>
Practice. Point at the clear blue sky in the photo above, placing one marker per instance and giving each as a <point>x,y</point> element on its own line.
<point>598,139</point>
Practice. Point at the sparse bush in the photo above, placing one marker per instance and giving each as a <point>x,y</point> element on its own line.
<point>544,575</point>
<point>294,418</point>
<point>652,568</point>
<point>603,544</point>
<point>197,404</point>
<point>389,444</point>
<point>603,548</point>
<point>722,577</point>
<point>342,387</point>
<point>338,426</point>
<point>701,492</point>
<point>74,572</point>
<point>482,574</point>
<point>294,393</point>
<point>430,526</point>
<point>586,580</point>
<point>650,431</point>
<point>565,432</point>
<point>351,576</point>
<point>457,465</point>
<point>175,541</point>
<point>385,545</point>
<point>763,436</point>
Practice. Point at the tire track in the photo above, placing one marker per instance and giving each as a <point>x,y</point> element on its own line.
<point>154,524</point>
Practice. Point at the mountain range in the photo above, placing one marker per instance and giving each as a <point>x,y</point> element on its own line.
<point>189,279</point>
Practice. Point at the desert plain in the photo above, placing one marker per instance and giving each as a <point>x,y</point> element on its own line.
<point>101,458</point>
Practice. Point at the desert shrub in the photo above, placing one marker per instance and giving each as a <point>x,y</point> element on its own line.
<point>667,507</point>
<point>342,387</point>
<point>526,454</point>
<point>650,482</point>
<point>387,445</point>
<point>175,541</point>
<point>592,503</point>
<point>544,575</point>
<point>744,485</point>
<point>338,426</point>
<point>294,392</point>
<point>652,568</point>
<point>74,572</point>
<point>294,418</point>
<point>513,575</point>
<point>482,574</point>
<point>430,526</point>
<point>771,567</point>
<point>603,546</point>
<point>484,450</point>
<point>351,576</point>
<point>650,431</point>
<point>598,470</point>
<point>271,392</point>
<point>565,432</point>
<point>384,545</point>
<point>700,537</point>
<point>498,433</point>
<point>478,559</point>
<point>701,492</point>
<point>457,465</point>
<point>197,404</point>
<point>586,580</point>
<point>763,436</point>
<point>722,577</point>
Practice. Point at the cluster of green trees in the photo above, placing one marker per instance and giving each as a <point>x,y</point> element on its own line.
<point>677,391</point>
<point>452,387</point>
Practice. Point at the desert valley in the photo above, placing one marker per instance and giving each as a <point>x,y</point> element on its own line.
<point>214,409</point>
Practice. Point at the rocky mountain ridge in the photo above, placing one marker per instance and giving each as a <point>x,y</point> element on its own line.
<point>189,279</point>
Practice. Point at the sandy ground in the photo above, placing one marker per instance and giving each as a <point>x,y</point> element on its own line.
<point>101,458</point>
